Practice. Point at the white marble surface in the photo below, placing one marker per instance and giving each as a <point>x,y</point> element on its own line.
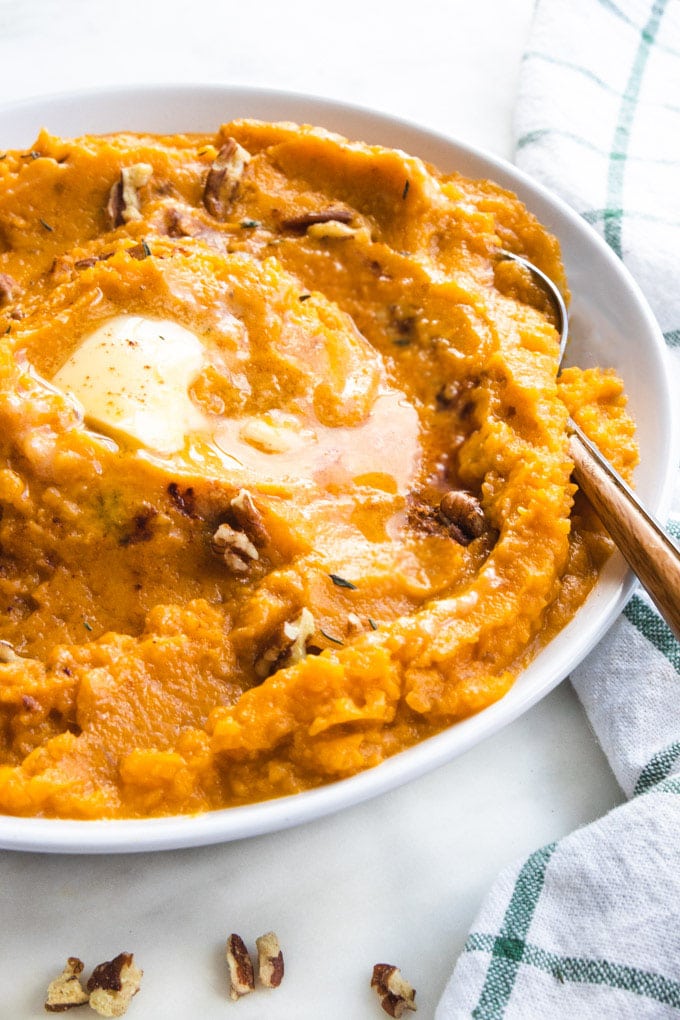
<point>398,879</point>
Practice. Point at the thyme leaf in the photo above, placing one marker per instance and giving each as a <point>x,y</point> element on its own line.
<point>340,582</point>
<point>329,637</point>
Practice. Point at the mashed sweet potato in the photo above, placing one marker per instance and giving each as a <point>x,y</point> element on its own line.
<point>284,483</point>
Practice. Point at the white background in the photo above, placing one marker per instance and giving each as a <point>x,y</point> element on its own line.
<point>398,879</point>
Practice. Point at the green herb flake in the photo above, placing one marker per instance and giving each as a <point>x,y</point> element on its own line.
<point>47,226</point>
<point>30,155</point>
<point>407,185</point>
<point>250,224</point>
<point>304,297</point>
<point>401,341</point>
<point>372,624</point>
<point>145,248</point>
<point>86,625</point>
<point>340,582</point>
<point>329,637</point>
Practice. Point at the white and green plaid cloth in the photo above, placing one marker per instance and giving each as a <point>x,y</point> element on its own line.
<point>589,927</point>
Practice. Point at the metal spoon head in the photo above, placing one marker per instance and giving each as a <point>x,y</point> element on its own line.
<point>553,292</point>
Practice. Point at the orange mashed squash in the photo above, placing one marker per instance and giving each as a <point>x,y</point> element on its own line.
<point>284,479</point>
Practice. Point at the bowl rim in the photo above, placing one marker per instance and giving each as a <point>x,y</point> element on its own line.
<point>611,592</point>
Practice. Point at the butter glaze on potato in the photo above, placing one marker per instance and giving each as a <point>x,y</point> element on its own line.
<point>272,598</point>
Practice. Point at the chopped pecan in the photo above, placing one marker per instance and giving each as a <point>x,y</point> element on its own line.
<point>184,499</point>
<point>269,960</point>
<point>112,985</point>
<point>7,653</point>
<point>92,260</point>
<point>423,517</point>
<point>123,203</point>
<point>140,528</point>
<point>9,288</point>
<point>223,178</point>
<point>240,965</point>
<point>354,624</point>
<point>463,516</point>
<point>403,323</point>
<point>179,223</point>
<point>396,995</point>
<point>332,231</point>
<point>234,547</point>
<point>237,539</point>
<point>457,396</point>
<point>66,991</point>
<point>288,646</point>
<point>139,251</point>
<point>300,224</point>
<point>248,517</point>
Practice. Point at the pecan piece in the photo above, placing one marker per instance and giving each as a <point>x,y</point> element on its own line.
<point>9,288</point>
<point>288,647</point>
<point>269,960</point>
<point>333,230</point>
<point>249,518</point>
<point>241,971</point>
<point>396,995</point>
<point>123,204</point>
<point>184,499</point>
<point>92,260</point>
<point>300,224</point>
<point>463,516</point>
<point>112,985</point>
<point>223,178</point>
<point>66,991</point>
<point>234,547</point>
<point>179,223</point>
<point>7,653</point>
<point>237,539</point>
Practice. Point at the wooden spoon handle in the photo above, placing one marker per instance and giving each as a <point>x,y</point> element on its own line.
<point>644,544</point>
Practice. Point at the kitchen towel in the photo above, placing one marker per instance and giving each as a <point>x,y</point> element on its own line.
<point>589,927</point>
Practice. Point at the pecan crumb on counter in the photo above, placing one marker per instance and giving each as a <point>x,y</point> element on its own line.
<point>240,965</point>
<point>270,960</point>
<point>66,991</point>
<point>112,985</point>
<point>396,995</point>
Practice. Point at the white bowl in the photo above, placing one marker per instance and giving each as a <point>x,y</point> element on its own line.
<point>611,325</point>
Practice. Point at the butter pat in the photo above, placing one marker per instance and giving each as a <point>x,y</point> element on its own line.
<point>132,376</point>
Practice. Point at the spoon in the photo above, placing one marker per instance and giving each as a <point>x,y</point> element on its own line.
<point>644,544</point>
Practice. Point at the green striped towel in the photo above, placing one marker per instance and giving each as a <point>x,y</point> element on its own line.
<point>589,927</point>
